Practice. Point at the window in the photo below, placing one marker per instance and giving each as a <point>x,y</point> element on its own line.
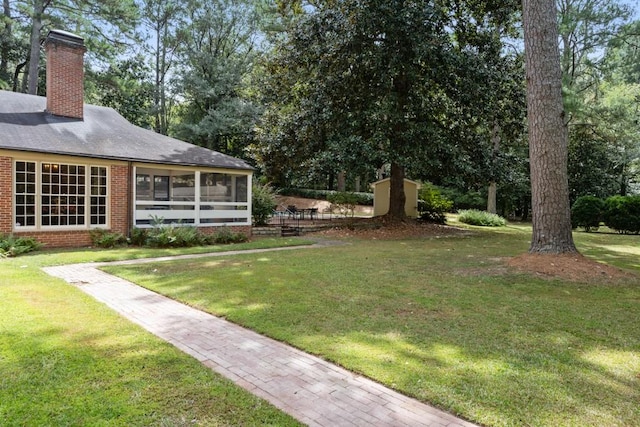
<point>25,193</point>
<point>61,194</point>
<point>215,187</point>
<point>143,187</point>
<point>183,188</point>
<point>98,201</point>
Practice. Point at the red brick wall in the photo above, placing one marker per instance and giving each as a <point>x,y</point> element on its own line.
<point>65,79</point>
<point>120,199</point>
<point>246,229</point>
<point>59,239</point>
<point>6,195</point>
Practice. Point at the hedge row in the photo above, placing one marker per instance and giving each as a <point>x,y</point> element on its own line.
<point>308,193</point>
<point>620,213</point>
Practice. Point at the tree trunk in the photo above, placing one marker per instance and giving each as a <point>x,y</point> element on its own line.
<point>548,136</point>
<point>164,126</point>
<point>156,90</point>
<point>492,197</point>
<point>397,198</point>
<point>16,75</point>
<point>34,53</point>
<point>5,43</point>
<point>342,181</point>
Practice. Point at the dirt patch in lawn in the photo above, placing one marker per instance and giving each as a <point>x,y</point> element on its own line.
<point>570,267</point>
<point>381,229</point>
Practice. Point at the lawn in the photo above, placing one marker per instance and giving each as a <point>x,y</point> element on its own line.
<point>66,360</point>
<point>442,319</point>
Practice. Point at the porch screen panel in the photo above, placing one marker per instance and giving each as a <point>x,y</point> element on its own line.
<point>98,206</point>
<point>241,188</point>
<point>25,194</point>
<point>215,187</point>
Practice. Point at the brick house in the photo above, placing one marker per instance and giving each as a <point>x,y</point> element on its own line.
<point>67,168</point>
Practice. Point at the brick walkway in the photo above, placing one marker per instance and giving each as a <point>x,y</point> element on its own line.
<point>313,391</point>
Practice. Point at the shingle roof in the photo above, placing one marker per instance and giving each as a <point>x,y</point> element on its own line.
<point>25,126</point>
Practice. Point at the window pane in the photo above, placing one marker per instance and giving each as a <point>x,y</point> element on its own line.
<point>24,200</point>
<point>161,188</point>
<point>215,187</point>
<point>143,187</point>
<point>98,205</point>
<point>183,188</point>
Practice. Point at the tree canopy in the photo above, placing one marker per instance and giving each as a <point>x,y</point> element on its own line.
<point>362,85</point>
<point>316,92</point>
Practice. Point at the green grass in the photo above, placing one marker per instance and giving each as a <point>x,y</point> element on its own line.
<point>67,360</point>
<point>443,320</point>
<point>71,256</point>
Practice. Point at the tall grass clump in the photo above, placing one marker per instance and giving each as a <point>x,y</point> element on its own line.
<point>481,218</point>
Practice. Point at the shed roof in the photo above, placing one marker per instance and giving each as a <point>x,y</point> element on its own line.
<point>105,134</point>
<point>373,184</point>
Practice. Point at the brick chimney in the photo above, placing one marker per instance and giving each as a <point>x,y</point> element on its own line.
<point>65,74</point>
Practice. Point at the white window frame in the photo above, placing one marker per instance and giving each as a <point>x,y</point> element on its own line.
<point>39,195</point>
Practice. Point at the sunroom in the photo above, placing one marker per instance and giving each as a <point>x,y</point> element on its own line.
<point>183,196</point>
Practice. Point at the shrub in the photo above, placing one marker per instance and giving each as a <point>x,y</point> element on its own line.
<point>225,236</point>
<point>138,236</point>
<point>467,200</point>
<point>622,213</point>
<point>482,218</point>
<point>263,203</point>
<point>106,239</point>
<point>432,205</point>
<point>344,201</point>
<point>170,235</point>
<point>586,212</point>
<point>11,246</point>
<point>174,236</point>
<point>178,235</point>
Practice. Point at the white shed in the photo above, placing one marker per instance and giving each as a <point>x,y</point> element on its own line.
<point>381,197</point>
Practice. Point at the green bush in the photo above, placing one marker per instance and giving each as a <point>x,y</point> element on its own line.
<point>482,218</point>
<point>586,212</point>
<point>622,213</point>
<point>263,203</point>
<point>432,205</point>
<point>466,200</point>
<point>11,246</point>
<point>106,239</point>
<point>344,201</point>
<point>174,236</point>
<point>138,236</point>
<point>225,236</point>
<point>163,235</point>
